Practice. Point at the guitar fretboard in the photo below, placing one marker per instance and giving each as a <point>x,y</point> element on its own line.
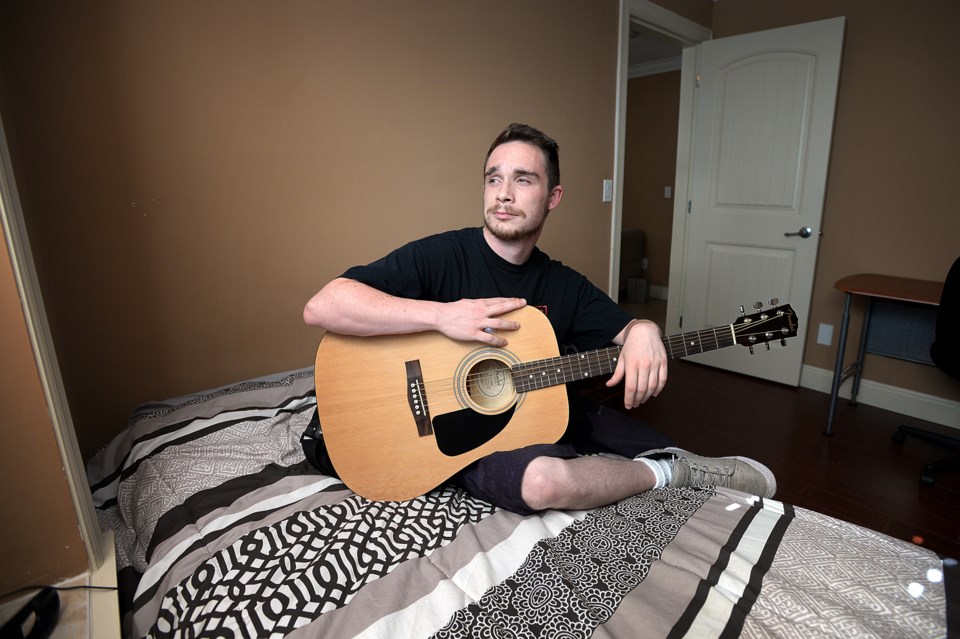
<point>542,373</point>
<point>707,339</point>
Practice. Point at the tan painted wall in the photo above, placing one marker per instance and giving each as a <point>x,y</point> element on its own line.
<point>40,542</point>
<point>192,172</point>
<point>892,193</point>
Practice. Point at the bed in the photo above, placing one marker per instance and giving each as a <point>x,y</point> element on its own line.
<point>224,530</point>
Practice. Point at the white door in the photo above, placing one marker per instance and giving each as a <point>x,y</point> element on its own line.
<point>762,120</point>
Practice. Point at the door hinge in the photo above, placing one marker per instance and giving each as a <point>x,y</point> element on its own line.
<point>697,82</point>
<point>680,325</point>
<point>689,206</point>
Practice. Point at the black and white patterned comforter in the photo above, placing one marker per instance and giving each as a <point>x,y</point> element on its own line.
<point>223,530</point>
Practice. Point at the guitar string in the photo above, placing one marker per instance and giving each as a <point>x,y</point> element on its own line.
<point>550,374</point>
<point>568,368</point>
<point>677,345</point>
<point>674,343</point>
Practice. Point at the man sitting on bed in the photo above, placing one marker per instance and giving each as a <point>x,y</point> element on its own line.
<point>460,283</point>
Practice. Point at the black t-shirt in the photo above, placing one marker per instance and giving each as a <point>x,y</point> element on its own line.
<point>461,265</point>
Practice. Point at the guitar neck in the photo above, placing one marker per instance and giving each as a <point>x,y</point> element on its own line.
<point>542,373</point>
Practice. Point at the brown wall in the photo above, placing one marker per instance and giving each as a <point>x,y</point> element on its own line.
<point>40,542</point>
<point>192,172</point>
<point>892,192</point>
<point>650,160</point>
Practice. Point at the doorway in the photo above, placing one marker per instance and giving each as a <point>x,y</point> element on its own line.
<point>649,172</point>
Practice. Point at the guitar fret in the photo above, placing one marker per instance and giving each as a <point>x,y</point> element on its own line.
<point>713,334</point>
<point>702,341</point>
<point>560,370</point>
<point>567,368</point>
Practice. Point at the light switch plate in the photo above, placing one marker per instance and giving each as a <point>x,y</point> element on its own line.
<point>608,190</point>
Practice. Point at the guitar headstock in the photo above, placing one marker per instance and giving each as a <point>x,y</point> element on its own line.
<point>765,326</point>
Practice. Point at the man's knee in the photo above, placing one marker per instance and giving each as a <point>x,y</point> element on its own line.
<point>545,483</point>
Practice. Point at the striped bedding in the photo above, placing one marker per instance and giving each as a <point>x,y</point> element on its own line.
<point>223,530</point>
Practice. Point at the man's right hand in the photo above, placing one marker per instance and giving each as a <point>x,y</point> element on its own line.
<point>478,320</point>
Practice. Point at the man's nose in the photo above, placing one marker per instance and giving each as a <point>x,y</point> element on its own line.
<point>505,194</point>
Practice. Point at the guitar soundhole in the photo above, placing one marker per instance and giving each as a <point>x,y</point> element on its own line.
<point>490,386</point>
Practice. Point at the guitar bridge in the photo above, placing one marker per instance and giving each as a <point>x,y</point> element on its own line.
<point>417,398</point>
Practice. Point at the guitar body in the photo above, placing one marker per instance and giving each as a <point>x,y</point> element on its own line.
<point>402,414</point>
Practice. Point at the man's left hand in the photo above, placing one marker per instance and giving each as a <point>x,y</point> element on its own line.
<point>643,363</point>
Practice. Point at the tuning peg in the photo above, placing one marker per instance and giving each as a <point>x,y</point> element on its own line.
<point>767,344</point>
<point>742,312</point>
<point>751,350</point>
<point>758,305</point>
<point>783,342</point>
<point>774,301</point>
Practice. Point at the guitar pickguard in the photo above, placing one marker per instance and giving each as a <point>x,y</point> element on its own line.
<point>463,430</point>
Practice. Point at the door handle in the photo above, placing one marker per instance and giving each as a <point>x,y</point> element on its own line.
<point>804,232</point>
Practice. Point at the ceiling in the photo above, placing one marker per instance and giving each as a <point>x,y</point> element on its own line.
<point>649,47</point>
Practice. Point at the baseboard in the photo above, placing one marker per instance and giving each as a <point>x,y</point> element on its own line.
<point>105,605</point>
<point>899,400</point>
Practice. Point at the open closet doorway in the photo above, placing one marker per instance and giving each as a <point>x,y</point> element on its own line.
<point>652,41</point>
<point>649,171</point>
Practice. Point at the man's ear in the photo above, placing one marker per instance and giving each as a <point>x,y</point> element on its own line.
<point>555,196</point>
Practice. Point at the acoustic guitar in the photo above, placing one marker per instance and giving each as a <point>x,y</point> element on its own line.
<point>401,414</point>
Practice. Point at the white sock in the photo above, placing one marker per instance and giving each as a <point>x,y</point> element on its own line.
<point>662,470</point>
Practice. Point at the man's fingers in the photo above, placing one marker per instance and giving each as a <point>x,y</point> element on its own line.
<point>640,383</point>
<point>655,382</point>
<point>502,325</point>
<point>490,334</point>
<point>661,380</point>
<point>493,340</point>
<point>491,301</point>
<point>500,305</point>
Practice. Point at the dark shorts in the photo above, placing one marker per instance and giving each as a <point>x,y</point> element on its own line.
<point>497,478</point>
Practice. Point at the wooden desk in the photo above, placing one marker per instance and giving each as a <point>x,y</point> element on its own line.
<point>872,286</point>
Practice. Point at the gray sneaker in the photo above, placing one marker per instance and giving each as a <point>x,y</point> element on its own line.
<point>740,473</point>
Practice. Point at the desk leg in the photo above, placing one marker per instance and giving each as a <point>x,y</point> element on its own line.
<point>838,369</point>
<point>861,353</point>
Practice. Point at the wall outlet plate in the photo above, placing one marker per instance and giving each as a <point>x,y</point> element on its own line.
<point>825,334</point>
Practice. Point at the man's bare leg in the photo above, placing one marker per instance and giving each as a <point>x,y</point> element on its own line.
<point>594,481</point>
<point>583,482</point>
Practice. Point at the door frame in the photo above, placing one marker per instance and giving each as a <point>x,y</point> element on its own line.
<point>690,34</point>
<point>98,544</point>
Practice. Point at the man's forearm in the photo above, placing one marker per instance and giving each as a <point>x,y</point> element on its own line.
<point>349,307</point>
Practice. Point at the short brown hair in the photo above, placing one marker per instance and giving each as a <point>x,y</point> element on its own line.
<point>517,132</point>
